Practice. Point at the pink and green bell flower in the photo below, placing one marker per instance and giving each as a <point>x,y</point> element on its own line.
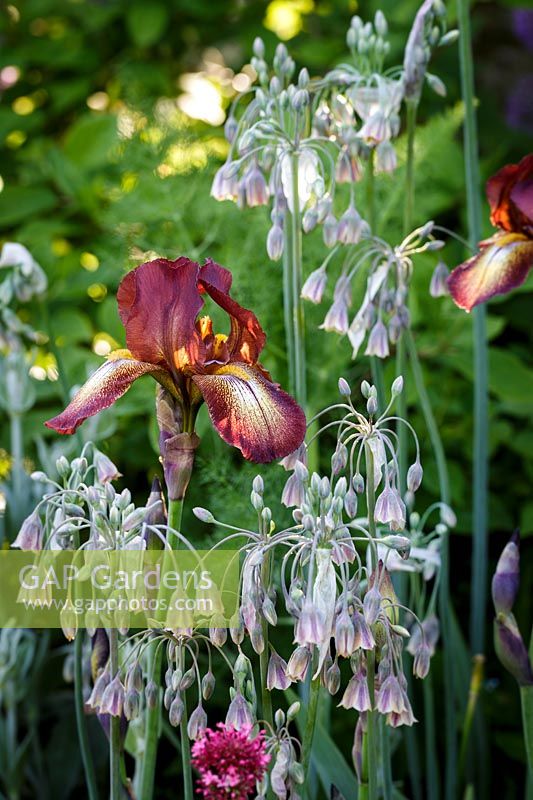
<point>504,260</point>
<point>159,303</point>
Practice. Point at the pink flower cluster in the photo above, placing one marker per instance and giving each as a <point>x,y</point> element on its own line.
<point>229,761</point>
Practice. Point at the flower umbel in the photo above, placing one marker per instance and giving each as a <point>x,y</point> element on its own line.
<point>158,304</point>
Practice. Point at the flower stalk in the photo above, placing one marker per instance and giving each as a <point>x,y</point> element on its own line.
<point>83,738</point>
<point>481,423</point>
<point>114,732</point>
<point>300,376</point>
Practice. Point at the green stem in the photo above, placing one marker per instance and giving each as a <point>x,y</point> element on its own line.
<point>526,697</point>
<point>388,789</point>
<point>288,303</point>
<point>83,737</point>
<point>481,422</point>
<point>175,513</point>
<point>444,577</point>
<point>188,792</point>
<point>155,659</point>
<point>476,682</point>
<point>376,364</point>
<point>151,730</point>
<point>310,723</point>
<point>17,453</point>
<point>432,780</point>
<point>401,350</point>
<point>369,770</point>
<point>264,657</point>
<point>114,737</point>
<point>300,377</point>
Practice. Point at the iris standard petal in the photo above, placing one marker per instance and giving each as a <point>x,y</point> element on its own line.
<point>251,413</point>
<point>107,384</point>
<point>246,338</point>
<point>158,304</point>
<point>510,195</point>
<point>217,276</point>
<point>502,265</point>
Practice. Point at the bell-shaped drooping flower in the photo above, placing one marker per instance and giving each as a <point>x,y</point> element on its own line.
<point>390,509</point>
<point>277,673</point>
<point>112,700</point>
<point>421,660</point>
<point>505,259</point>
<point>158,304</point>
<point>30,535</point>
<point>229,762</point>
<point>506,580</point>
<point>415,473</point>
<point>389,698</point>
<point>239,713</point>
<point>299,663</point>
<point>314,287</point>
<point>256,188</point>
<point>356,694</point>
<point>310,626</point>
<point>438,286</point>
<point>275,243</point>
<point>106,471</point>
<point>386,160</point>
<point>378,341</point>
<point>350,225</point>
<point>344,634</point>
<point>197,722</point>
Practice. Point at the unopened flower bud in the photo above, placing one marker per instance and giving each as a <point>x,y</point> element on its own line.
<point>298,663</point>
<point>175,711</point>
<point>293,711</point>
<point>314,286</point>
<point>358,483</point>
<point>197,723</point>
<point>333,678</point>
<point>421,661</point>
<point>414,476</point>
<point>438,286</point>
<point>506,580</point>
<point>372,605</point>
<point>275,243</point>
<point>397,386</point>
<point>511,650</point>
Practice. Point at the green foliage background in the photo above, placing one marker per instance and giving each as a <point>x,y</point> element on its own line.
<point>74,185</point>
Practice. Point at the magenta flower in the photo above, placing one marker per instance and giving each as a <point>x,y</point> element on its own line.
<point>230,762</point>
<point>159,303</point>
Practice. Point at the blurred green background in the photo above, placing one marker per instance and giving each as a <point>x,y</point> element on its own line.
<point>110,133</point>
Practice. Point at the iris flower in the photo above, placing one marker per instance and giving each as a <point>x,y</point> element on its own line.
<point>505,259</point>
<point>159,303</point>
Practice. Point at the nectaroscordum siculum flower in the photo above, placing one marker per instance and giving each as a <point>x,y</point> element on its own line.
<point>159,303</point>
<point>505,259</point>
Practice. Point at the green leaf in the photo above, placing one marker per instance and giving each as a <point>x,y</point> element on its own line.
<point>19,202</point>
<point>146,22</point>
<point>90,139</point>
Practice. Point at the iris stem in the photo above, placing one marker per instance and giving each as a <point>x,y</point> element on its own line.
<point>481,422</point>
<point>114,733</point>
<point>175,513</point>
<point>298,318</point>
<point>368,790</point>
<point>444,577</point>
<point>83,738</point>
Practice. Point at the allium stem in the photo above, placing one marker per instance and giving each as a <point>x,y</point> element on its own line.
<point>264,657</point>
<point>17,454</point>
<point>368,790</point>
<point>310,723</point>
<point>388,789</point>
<point>401,350</point>
<point>479,314</point>
<point>526,697</point>
<point>288,302</point>
<point>83,737</point>
<point>188,792</point>
<point>444,577</point>
<point>432,778</point>
<point>114,732</point>
<point>376,364</point>
<point>298,318</point>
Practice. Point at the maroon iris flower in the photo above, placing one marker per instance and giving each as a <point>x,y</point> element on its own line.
<point>159,303</point>
<point>505,259</point>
